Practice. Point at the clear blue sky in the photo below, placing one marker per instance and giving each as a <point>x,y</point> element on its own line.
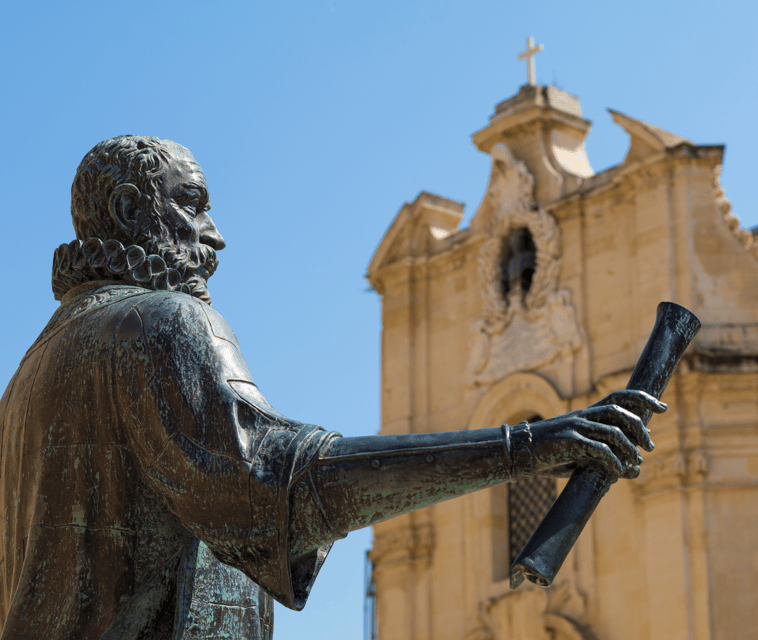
<point>314,122</point>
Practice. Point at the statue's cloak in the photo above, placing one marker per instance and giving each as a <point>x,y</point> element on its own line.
<point>137,452</point>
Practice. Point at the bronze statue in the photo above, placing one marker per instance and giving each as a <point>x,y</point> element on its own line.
<point>150,490</point>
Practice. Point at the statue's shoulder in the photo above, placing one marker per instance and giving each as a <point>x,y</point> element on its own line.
<point>167,304</point>
<point>164,313</point>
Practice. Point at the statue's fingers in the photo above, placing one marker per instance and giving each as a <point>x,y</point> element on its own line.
<point>629,422</point>
<point>631,472</point>
<point>601,454</point>
<point>633,400</point>
<point>616,439</point>
<point>636,400</point>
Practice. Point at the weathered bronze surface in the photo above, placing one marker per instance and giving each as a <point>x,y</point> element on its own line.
<point>149,490</point>
<point>544,553</point>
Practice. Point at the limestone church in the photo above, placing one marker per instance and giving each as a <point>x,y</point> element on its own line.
<point>542,306</point>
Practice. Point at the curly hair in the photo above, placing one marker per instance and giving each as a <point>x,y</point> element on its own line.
<point>139,160</point>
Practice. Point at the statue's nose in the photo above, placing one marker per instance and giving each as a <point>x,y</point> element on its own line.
<point>209,234</point>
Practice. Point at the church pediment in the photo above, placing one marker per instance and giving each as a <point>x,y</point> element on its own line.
<point>416,229</point>
<point>645,139</point>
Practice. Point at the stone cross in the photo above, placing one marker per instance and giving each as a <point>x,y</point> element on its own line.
<point>528,55</point>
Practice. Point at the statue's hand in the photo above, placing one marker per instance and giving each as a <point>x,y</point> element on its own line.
<point>604,434</point>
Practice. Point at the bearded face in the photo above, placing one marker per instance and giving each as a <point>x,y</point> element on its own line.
<point>194,264</point>
<point>180,229</point>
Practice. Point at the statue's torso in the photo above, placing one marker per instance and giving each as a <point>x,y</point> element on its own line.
<point>90,551</point>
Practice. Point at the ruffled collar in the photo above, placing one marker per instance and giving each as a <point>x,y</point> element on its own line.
<point>84,261</point>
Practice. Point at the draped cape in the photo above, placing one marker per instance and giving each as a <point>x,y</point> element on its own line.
<point>145,478</point>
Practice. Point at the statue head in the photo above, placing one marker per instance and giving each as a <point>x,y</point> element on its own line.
<point>149,192</point>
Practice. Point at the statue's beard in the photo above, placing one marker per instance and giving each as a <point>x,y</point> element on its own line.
<point>195,263</point>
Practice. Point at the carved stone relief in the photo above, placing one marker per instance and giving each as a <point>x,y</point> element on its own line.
<point>557,613</point>
<point>672,471</point>
<point>523,329</point>
<point>404,545</point>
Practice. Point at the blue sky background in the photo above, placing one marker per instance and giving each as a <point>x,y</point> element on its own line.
<point>314,121</point>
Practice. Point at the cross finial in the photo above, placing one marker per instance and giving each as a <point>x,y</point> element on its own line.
<point>528,55</point>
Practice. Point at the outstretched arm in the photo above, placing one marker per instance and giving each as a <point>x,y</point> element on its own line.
<point>269,495</point>
<point>357,482</point>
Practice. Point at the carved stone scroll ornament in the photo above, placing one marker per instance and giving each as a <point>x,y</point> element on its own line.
<point>746,238</point>
<point>558,613</point>
<point>511,189</point>
<point>520,330</point>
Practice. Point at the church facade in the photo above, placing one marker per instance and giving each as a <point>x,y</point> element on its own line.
<point>541,306</point>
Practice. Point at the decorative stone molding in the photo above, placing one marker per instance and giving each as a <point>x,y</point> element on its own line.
<point>423,542</point>
<point>511,190</point>
<point>483,625</point>
<point>563,628</point>
<point>565,599</point>
<point>737,339</point>
<point>398,544</point>
<point>523,331</point>
<point>745,237</point>
<point>404,545</point>
<point>480,633</point>
<point>557,613</point>
<point>672,471</point>
<point>526,129</point>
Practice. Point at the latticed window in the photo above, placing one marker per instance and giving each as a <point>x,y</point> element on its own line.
<point>528,501</point>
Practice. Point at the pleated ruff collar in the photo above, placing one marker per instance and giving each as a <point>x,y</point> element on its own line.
<point>93,259</point>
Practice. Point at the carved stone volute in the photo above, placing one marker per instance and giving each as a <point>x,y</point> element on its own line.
<point>523,330</point>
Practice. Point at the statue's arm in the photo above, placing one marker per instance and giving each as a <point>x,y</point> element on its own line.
<point>269,495</point>
<point>357,482</point>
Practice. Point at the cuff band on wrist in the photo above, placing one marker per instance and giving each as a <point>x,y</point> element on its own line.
<point>520,437</point>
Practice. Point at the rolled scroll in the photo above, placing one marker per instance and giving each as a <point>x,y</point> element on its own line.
<point>544,553</point>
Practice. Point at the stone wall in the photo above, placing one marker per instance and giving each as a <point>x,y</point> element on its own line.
<point>671,555</point>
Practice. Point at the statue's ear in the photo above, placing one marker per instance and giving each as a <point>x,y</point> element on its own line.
<point>123,207</point>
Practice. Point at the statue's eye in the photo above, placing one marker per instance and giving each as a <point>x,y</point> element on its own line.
<point>194,201</point>
<point>194,204</point>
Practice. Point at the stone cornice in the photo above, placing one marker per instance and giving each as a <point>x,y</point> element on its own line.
<point>445,256</point>
<point>727,339</point>
<point>393,272</point>
<point>533,121</point>
<point>697,359</point>
<point>407,544</point>
<point>417,229</point>
<point>710,362</point>
<point>675,470</point>
<point>636,175</point>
